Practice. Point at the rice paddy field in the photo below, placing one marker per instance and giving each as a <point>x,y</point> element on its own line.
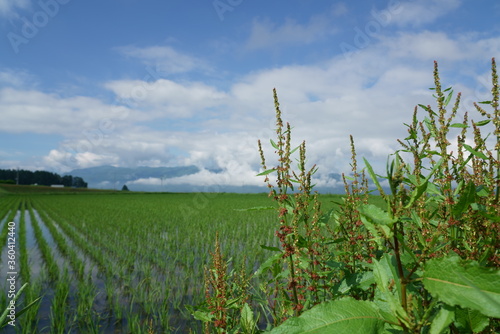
<point>120,262</point>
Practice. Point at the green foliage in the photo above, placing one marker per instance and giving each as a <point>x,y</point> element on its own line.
<point>467,285</point>
<point>336,316</point>
<point>426,261</point>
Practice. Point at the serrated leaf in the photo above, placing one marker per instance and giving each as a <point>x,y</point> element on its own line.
<point>247,321</point>
<point>465,284</point>
<point>337,316</point>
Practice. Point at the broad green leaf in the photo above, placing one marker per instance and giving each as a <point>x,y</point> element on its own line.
<point>434,190</point>
<point>326,217</point>
<point>467,197</point>
<point>268,264</point>
<point>476,153</point>
<point>247,321</point>
<point>273,144</point>
<point>458,125</point>
<point>420,189</point>
<point>481,191</point>
<point>424,107</point>
<point>442,320</point>
<point>470,320</point>
<point>203,316</point>
<point>380,232</point>
<point>482,123</point>
<point>385,274</point>
<point>361,280</point>
<point>374,177</point>
<point>232,303</point>
<point>466,284</point>
<point>376,215</point>
<point>448,98</point>
<point>276,249</point>
<point>269,171</point>
<point>337,316</point>
<point>415,195</point>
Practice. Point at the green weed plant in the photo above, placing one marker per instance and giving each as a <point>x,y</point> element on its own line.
<point>426,261</point>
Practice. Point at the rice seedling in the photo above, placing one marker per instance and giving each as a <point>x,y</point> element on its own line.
<point>59,312</point>
<point>50,263</point>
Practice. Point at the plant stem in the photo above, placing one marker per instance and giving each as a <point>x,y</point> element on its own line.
<point>402,278</point>
<point>294,285</point>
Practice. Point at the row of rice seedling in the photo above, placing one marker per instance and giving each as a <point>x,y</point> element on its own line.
<point>86,291</point>
<point>45,250</point>
<point>50,313</point>
<point>67,252</point>
<point>156,247</point>
<point>5,207</point>
<point>12,212</point>
<point>119,283</point>
<point>23,252</point>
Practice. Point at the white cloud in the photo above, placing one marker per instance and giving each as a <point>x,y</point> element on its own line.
<point>8,7</point>
<point>429,45</point>
<point>37,112</point>
<point>165,60</point>
<point>166,97</point>
<point>266,34</point>
<point>339,9</point>
<point>417,13</point>
<point>16,78</point>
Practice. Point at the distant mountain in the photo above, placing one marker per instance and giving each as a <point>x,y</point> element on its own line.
<point>96,176</point>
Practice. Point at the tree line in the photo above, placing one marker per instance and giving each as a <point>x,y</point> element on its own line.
<point>39,177</point>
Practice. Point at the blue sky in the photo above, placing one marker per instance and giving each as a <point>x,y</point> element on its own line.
<point>172,83</point>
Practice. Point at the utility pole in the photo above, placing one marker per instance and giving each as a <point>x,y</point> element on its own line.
<point>17,176</point>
